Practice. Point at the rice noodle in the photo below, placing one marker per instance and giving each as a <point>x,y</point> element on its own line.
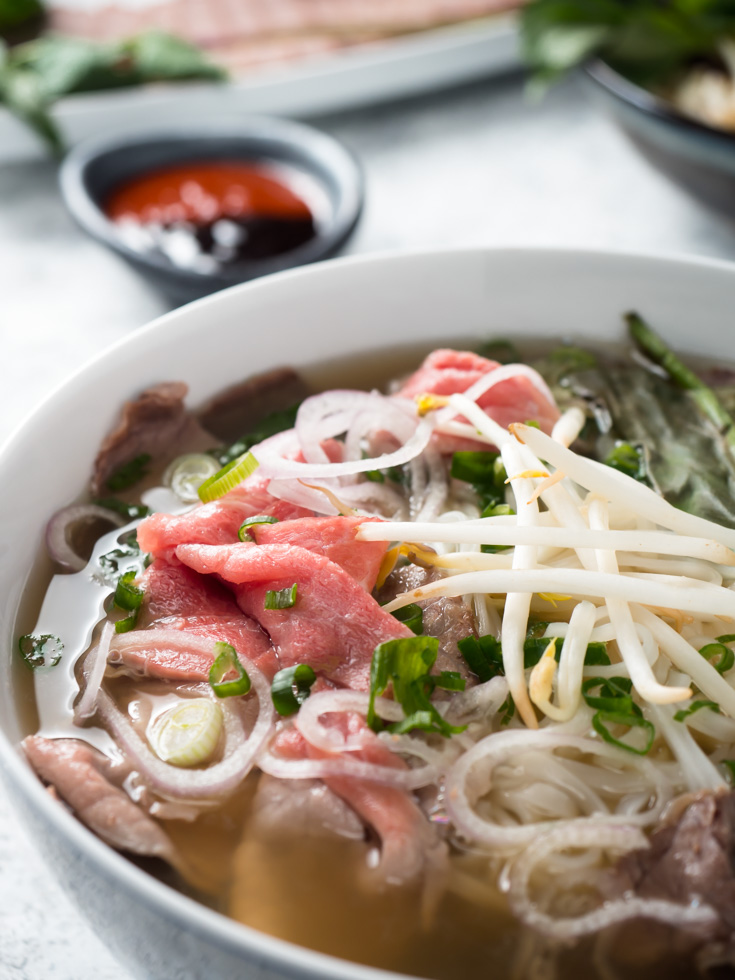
<point>464,786</point>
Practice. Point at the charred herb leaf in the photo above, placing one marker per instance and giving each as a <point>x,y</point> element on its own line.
<point>40,651</point>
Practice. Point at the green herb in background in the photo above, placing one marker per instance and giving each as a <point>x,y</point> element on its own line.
<point>648,41</point>
<point>35,75</point>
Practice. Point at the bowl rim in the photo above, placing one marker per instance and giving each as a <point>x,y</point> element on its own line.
<point>647,102</point>
<point>291,959</point>
<point>307,142</point>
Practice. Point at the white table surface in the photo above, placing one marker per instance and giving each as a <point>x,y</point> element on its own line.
<point>475,166</point>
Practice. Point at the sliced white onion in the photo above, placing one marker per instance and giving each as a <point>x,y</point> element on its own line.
<point>407,779</point>
<point>272,465</point>
<point>59,528</point>
<point>94,668</point>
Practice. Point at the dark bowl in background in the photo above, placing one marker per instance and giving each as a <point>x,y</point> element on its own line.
<point>698,157</point>
<point>95,168</point>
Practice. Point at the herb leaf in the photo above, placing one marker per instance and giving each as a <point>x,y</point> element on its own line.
<point>40,651</point>
<point>405,664</point>
<point>129,474</point>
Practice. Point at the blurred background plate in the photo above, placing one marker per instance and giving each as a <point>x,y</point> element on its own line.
<point>372,73</point>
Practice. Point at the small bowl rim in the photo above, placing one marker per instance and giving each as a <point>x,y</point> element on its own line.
<point>307,143</point>
<point>642,99</point>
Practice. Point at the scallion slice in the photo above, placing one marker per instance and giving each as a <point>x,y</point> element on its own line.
<point>225,662</point>
<point>291,687</point>
<point>187,734</point>
<point>244,534</point>
<point>722,657</point>
<point>601,719</point>
<point>411,616</point>
<point>281,598</point>
<point>187,474</point>
<point>696,706</point>
<point>127,595</point>
<point>229,477</point>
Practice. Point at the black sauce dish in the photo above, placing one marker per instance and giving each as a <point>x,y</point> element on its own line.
<point>698,157</point>
<point>329,178</point>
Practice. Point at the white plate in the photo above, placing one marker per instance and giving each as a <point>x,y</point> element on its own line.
<point>357,76</point>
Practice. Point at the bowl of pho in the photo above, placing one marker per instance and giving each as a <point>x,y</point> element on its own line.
<point>401,646</point>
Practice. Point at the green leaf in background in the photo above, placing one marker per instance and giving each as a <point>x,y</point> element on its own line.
<point>16,12</point>
<point>649,41</point>
<point>35,75</point>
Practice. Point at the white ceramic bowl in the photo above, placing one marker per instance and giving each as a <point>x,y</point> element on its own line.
<point>298,317</point>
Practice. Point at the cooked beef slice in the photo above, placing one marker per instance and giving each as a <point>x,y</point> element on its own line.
<point>80,776</point>
<point>150,424</point>
<point>239,409</point>
<point>690,859</point>
<point>450,620</point>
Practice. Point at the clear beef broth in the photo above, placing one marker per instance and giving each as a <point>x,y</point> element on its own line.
<point>318,893</point>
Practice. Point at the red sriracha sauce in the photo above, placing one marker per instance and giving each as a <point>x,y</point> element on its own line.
<point>205,215</point>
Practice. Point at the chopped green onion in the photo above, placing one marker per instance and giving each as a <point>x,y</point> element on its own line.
<point>724,658</point>
<point>411,616</point>
<point>187,473</point>
<point>245,535</point>
<point>405,664</point>
<point>129,474</point>
<point>291,687</point>
<point>40,651</point>
<point>696,706</point>
<point>271,424</point>
<point>225,662</point>
<point>187,734</point>
<point>614,694</point>
<point>127,624</point>
<point>485,472</point>
<point>229,477</point>
<point>729,765</point>
<point>533,423</point>
<point>603,718</point>
<point>483,655</point>
<point>506,710</point>
<point>628,458</point>
<point>375,476</point>
<point>281,598</point>
<point>127,595</point>
<point>131,511</point>
<point>615,706</point>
